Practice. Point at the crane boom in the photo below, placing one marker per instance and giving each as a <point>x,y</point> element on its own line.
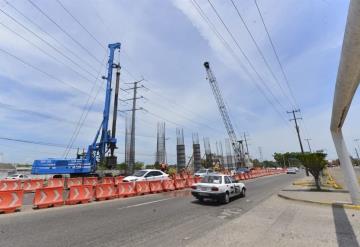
<point>223,112</point>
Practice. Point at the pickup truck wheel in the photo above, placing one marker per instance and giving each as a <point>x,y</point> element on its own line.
<point>243,192</point>
<point>226,198</point>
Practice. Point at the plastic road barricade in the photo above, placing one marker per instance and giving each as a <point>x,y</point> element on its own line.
<point>155,186</point>
<point>142,187</point>
<point>48,197</point>
<point>32,184</point>
<point>189,182</point>
<point>126,189</point>
<point>55,182</point>
<point>180,184</point>
<point>118,179</point>
<point>73,181</point>
<point>90,181</point>
<point>10,185</point>
<point>105,192</point>
<point>108,180</point>
<point>11,200</point>
<point>168,185</point>
<point>80,194</point>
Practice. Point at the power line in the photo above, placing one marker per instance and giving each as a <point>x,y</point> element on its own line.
<point>260,52</point>
<point>43,51</point>
<point>244,54</point>
<point>42,71</point>
<point>276,54</point>
<point>208,21</point>
<point>33,142</point>
<point>81,25</point>
<point>64,31</point>
<point>46,42</point>
<point>72,52</point>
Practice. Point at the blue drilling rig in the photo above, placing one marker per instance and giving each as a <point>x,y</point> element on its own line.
<point>86,163</point>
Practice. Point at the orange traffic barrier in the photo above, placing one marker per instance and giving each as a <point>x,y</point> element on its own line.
<point>177,176</point>
<point>184,175</point>
<point>80,194</point>
<point>242,176</point>
<point>105,192</point>
<point>155,186</point>
<point>90,181</point>
<point>73,181</point>
<point>48,197</point>
<point>180,184</point>
<point>118,179</point>
<point>10,185</point>
<point>197,179</point>
<point>11,200</point>
<point>126,189</point>
<point>142,187</point>
<point>108,180</point>
<point>168,185</point>
<point>189,182</point>
<point>55,182</point>
<point>32,184</point>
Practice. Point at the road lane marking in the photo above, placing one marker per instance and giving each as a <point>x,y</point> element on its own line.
<point>146,203</point>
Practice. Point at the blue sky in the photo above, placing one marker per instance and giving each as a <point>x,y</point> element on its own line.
<point>166,42</point>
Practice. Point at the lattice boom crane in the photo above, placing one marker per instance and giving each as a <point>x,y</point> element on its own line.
<point>224,113</point>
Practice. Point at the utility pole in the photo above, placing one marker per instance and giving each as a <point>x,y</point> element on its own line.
<point>308,142</point>
<point>246,144</point>
<point>298,131</point>
<point>260,154</point>
<point>357,154</point>
<point>130,168</point>
<point>297,127</point>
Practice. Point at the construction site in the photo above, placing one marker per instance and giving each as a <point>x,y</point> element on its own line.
<point>179,123</point>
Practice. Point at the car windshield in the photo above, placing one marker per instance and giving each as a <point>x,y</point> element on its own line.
<point>139,173</point>
<point>212,179</point>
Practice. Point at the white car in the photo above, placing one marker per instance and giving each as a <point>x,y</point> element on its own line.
<point>218,187</point>
<point>17,177</point>
<point>202,172</point>
<point>291,170</point>
<point>146,175</point>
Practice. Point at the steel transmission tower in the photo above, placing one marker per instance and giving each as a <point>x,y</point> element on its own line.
<point>224,114</point>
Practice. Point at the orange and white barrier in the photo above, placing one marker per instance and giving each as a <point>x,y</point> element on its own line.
<point>73,181</point>
<point>55,182</point>
<point>10,185</point>
<point>118,179</point>
<point>168,185</point>
<point>107,180</point>
<point>105,192</point>
<point>48,197</point>
<point>90,181</point>
<point>11,200</point>
<point>189,182</point>
<point>180,184</point>
<point>142,187</point>
<point>80,194</point>
<point>155,186</point>
<point>126,189</point>
<point>32,184</point>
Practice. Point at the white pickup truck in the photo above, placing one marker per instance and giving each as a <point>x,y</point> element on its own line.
<point>218,187</point>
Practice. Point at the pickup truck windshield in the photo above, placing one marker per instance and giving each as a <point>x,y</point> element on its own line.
<point>212,179</point>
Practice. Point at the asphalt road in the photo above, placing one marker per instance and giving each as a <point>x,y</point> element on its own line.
<point>167,219</point>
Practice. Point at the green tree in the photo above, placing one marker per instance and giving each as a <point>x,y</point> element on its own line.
<point>256,163</point>
<point>122,166</point>
<point>138,165</point>
<point>315,162</point>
